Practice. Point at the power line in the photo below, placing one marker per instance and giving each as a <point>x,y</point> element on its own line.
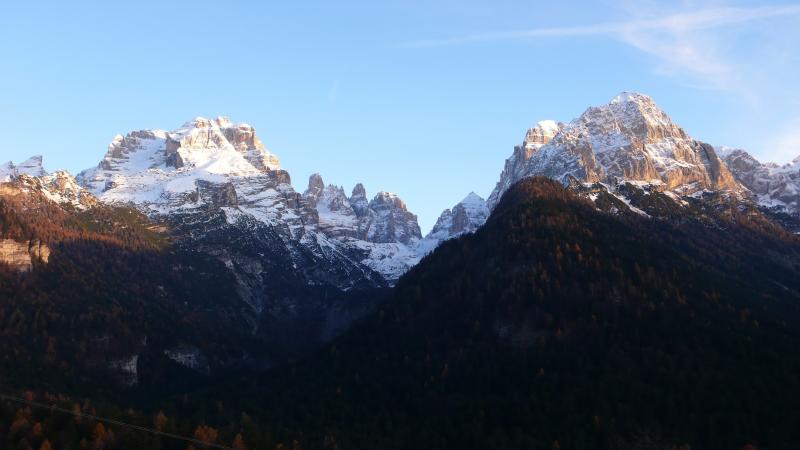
<point>54,408</point>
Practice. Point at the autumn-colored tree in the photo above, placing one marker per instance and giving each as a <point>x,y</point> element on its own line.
<point>99,435</point>
<point>160,421</point>
<point>206,434</point>
<point>238,442</point>
<point>76,411</point>
<point>46,445</point>
<point>20,423</point>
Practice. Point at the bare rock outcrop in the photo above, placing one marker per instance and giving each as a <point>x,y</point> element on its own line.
<point>22,255</point>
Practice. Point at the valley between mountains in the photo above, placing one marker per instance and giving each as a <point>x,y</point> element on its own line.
<point>624,286</point>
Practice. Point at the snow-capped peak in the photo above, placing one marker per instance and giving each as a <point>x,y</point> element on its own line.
<point>158,168</point>
<point>384,200</point>
<point>628,139</point>
<point>473,199</point>
<point>220,146</point>
<point>550,127</point>
<point>32,166</point>
<point>723,151</point>
<point>465,216</point>
<point>59,186</point>
<point>209,165</point>
<point>224,122</point>
<point>315,187</point>
<point>629,96</point>
<point>772,185</point>
<point>7,172</point>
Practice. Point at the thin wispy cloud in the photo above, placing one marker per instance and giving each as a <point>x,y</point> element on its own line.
<point>680,43</point>
<point>677,23</point>
<point>747,52</point>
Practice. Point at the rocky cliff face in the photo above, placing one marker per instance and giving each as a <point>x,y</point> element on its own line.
<point>21,255</point>
<point>197,140</point>
<point>59,186</point>
<point>628,140</point>
<point>774,186</point>
<point>516,165</point>
<point>382,233</point>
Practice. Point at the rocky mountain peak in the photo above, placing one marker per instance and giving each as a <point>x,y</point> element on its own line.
<point>161,169</point>
<point>387,200</point>
<point>472,199</point>
<point>465,216</point>
<point>7,172</point>
<point>739,160</point>
<point>541,134</point>
<point>774,186</point>
<point>358,200</point>
<point>358,191</point>
<point>535,138</point>
<point>390,221</point>
<point>32,166</point>
<point>315,187</point>
<point>631,97</point>
<point>59,186</point>
<point>629,139</point>
<point>222,170</point>
<point>633,115</point>
<point>202,140</point>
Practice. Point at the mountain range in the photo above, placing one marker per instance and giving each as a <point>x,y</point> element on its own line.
<point>214,188</point>
<point>188,255</point>
<point>214,164</point>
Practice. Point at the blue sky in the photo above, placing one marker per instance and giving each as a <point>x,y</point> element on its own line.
<point>422,98</point>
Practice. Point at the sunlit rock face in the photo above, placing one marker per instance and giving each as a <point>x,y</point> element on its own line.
<point>59,186</point>
<point>630,139</point>
<point>21,255</point>
<point>516,165</point>
<point>193,143</point>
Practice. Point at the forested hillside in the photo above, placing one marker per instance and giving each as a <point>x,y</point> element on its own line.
<point>112,290</point>
<point>556,326</point>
